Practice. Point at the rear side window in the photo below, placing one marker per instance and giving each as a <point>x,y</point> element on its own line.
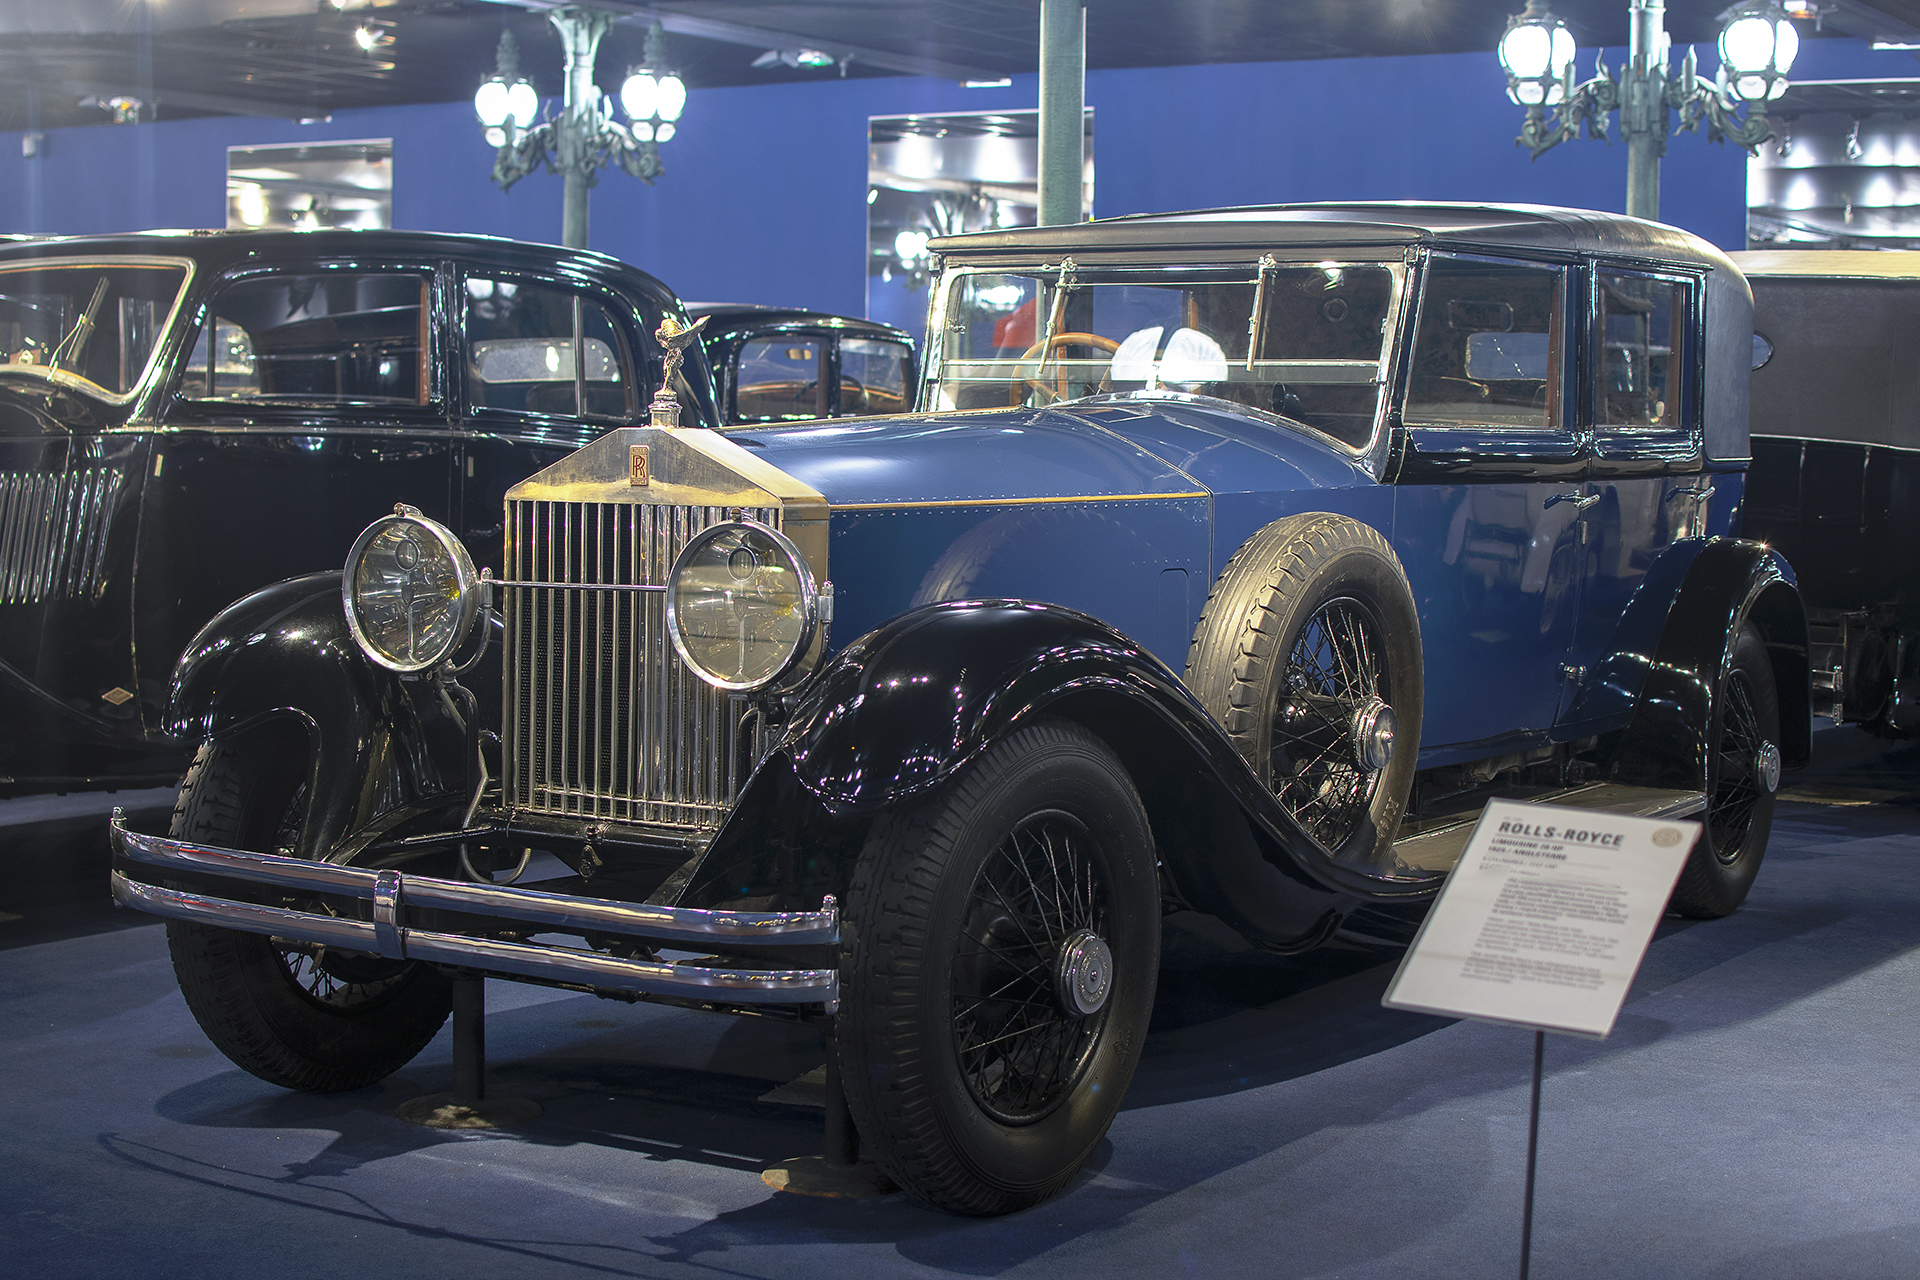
<point>779,378</point>
<point>335,337</point>
<point>1488,349</point>
<point>873,376</point>
<point>533,348</point>
<point>1642,332</point>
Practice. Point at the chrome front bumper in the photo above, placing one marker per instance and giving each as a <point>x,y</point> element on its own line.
<point>393,894</point>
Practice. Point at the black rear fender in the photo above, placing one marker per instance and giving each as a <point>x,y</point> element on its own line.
<point>284,655</point>
<point>902,711</point>
<point>1729,583</point>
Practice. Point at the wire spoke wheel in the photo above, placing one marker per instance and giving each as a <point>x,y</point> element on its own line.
<point>998,959</point>
<point>1020,1050</point>
<point>1736,770</point>
<point>1308,656</point>
<point>1335,662</point>
<point>1742,770</point>
<point>303,1017</point>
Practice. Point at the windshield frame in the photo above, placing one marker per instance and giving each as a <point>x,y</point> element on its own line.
<point>1255,262</point>
<point>162,333</point>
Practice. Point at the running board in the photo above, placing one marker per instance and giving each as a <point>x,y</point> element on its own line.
<point>1438,850</point>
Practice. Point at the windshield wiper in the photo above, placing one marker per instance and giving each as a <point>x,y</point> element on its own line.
<point>1257,322</point>
<point>82,331</point>
<point>1055,314</point>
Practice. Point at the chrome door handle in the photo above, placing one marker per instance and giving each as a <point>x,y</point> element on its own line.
<point>1690,493</point>
<point>1580,504</point>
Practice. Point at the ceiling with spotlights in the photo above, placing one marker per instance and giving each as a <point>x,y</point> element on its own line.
<point>64,62</point>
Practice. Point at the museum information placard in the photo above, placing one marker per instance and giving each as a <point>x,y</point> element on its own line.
<point>1545,919</point>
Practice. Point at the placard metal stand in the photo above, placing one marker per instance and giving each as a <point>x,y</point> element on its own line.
<point>1542,924</point>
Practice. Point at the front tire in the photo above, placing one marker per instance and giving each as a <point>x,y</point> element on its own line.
<point>322,1022</point>
<point>1743,772</point>
<point>1001,950</point>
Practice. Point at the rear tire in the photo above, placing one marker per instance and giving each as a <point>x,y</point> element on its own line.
<point>323,1023</point>
<point>1743,772</point>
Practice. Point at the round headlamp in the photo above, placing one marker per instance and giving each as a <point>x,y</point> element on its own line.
<point>741,605</point>
<point>410,590</point>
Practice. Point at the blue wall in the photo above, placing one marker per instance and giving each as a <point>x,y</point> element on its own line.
<point>764,195</point>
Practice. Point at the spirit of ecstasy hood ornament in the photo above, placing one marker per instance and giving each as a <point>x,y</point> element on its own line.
<point>674,339</point>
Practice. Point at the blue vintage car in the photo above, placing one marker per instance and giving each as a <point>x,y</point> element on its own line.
<point>1233,561</point>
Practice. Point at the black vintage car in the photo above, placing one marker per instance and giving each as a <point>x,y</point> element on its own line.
<point>1835,481</point>
<point>1232,561</point>
<point>781,364</point>
<point>187,416</point>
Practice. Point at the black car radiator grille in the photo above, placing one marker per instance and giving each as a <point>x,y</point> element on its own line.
<point>53,533</point>
<point>603,719</point>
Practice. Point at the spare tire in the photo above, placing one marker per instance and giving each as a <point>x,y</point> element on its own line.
<point>1308,654</point>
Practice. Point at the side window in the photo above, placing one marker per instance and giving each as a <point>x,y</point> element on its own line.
<point>333,337</point>
<point>1642,329</point>
<point>778,378</point>
<point>533,348</point>
<point>873,376</point>
<point>1489,346</point>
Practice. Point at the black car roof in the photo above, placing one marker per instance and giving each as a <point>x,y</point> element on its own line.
<point>218,250</point>
<point>727,315</point>
<point>1541,227</point>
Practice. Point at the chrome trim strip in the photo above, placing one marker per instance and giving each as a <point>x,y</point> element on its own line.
<point>552,964</point>
<point>583,586</point>
<point>556,911</point>
<point>1088,498</point>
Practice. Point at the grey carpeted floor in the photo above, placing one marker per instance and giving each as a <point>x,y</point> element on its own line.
<point>1755,1114</point>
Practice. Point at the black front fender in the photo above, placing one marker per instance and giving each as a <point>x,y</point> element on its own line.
<point>284,652</point>
<point>902,711</point>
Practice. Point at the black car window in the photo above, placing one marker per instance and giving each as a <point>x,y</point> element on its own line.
<point>339,337</point>
<point>873,376</point>
<point>1489,347</point>
<point>1642,329</point>
<point>535,348</point>
<point>95,320</point>
<point>778,377</point>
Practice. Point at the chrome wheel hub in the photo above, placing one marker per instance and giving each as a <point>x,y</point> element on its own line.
<point>1083,976</point>
<point>1373,729</point>
<point>1767,762</point>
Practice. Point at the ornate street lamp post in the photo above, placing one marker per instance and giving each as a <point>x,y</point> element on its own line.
<point>1756,49</point>
<point>584,137</point>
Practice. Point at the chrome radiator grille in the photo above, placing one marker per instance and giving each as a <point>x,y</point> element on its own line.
<point>603,720</point>
<point>53,533</point>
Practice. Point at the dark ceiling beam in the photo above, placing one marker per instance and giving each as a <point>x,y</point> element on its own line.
<point>158,95</point>
<point>689,24</point>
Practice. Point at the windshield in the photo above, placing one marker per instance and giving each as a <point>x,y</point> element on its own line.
<point>93,324</point>
<point>1301,340</point>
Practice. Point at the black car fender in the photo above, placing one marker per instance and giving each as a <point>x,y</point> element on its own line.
<point>1728,583</point>
<point>284,653</point>
<point>899,713</point>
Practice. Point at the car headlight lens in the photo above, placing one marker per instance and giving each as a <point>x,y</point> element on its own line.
<point>741,605</point>
<point>410,590</point>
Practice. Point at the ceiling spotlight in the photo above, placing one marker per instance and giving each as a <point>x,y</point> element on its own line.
<point>795,58</point>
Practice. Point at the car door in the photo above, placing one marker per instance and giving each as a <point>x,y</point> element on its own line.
<point>1646,490</point>
<point>312,399</point>
<point>547,365</point>
<point>1487,500</point>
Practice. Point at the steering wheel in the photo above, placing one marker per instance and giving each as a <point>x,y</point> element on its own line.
<point>1045,347</point>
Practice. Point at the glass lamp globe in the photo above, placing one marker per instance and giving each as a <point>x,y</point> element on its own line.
<point>490,102</point>
<point>1536,52</point>
<point>1757,48</point>
<point>640,95</point>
